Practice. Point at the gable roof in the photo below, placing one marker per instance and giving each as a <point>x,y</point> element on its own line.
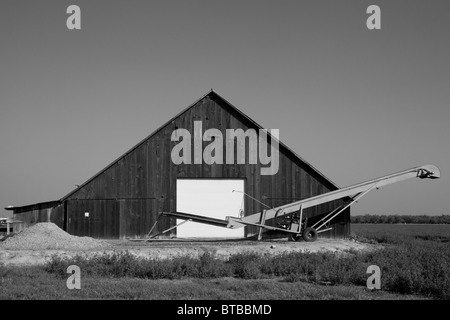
<point>212,94</point>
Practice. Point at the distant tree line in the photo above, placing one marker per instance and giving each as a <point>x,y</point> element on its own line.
<point>423,219</point>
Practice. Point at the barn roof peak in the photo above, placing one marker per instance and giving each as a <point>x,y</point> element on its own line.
<point>213,95</point>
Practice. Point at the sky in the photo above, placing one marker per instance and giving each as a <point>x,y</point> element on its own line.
<point>353,102</point>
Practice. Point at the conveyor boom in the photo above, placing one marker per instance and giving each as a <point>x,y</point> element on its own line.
<point>292,213</point>
<point>354,191</point>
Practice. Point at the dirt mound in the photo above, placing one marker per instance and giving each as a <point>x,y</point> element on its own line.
<point>48,236</point>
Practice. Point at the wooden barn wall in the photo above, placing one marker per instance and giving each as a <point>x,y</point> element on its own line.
<point>41,213</point>
<point>102,220</point>
<point>143,182</point>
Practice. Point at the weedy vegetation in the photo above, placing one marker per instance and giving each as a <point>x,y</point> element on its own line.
<point>412,265</point>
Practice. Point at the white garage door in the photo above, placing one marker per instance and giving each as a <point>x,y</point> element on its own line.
<point>210,198</point>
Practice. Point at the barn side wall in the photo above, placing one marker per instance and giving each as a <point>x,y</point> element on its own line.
<point>41,213</point>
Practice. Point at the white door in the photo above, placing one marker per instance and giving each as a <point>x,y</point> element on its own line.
<point>211,198</point>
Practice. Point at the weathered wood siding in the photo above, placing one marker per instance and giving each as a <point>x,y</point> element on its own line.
<point>41,212</point>
<point>102,220</point>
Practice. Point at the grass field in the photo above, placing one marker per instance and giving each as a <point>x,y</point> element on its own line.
<point>36,284</point>
<point>400,233</point>
<point>414,263</point>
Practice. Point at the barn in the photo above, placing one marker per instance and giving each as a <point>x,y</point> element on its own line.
<point>125,199</point>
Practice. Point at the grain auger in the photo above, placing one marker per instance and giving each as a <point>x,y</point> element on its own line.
<point>288,218</point>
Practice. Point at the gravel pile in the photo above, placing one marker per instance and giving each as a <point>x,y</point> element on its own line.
<point>48,236</point>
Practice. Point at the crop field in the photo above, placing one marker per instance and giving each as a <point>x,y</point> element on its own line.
<point>398,233</point>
